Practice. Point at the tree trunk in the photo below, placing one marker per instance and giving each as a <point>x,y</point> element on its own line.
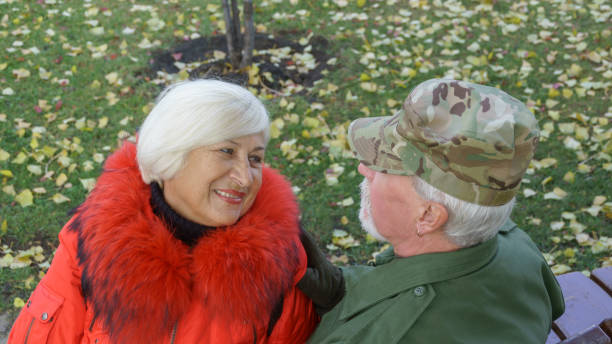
<point>239,50</point>
<point>249,34</point>
<point>237,34</point>
<point>229,34</point>
<point>232,31</point>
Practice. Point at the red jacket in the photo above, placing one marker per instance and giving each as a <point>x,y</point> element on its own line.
<point>119,276</point>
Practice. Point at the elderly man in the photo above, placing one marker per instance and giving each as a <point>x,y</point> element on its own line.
<point>440,180</point>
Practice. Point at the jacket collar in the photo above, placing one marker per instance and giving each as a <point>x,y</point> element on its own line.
<point>397,275</point>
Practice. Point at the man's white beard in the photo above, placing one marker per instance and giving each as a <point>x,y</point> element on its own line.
<point>365,212</point>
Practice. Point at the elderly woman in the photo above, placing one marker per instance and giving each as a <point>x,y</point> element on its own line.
<point>186,238</point>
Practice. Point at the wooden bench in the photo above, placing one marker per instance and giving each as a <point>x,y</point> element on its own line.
<point>588,309</point>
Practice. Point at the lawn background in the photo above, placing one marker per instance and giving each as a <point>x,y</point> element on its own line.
<point>74,83</point>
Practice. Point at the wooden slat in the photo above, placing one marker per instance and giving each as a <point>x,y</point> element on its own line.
<point>606,325</point>
<point>586,304</point>
<point>593,335</point>
<point>552,338</point>
<point>603,277</point>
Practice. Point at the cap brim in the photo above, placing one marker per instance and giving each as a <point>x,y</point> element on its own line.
<point>372,139</point>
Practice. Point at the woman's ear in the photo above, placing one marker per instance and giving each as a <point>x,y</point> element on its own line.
<point>433,217</point>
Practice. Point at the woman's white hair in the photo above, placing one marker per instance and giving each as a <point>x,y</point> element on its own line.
<point>468,223</point>
<point>192,114</point>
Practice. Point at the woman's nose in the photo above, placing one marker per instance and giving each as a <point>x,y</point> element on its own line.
<point>365,171</point>
<point>241,173</point>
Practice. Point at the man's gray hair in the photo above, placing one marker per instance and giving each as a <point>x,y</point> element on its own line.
<point>192,114</point>
<point>468,223</point>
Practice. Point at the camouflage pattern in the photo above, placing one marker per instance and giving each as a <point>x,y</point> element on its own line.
<point>470,141</point>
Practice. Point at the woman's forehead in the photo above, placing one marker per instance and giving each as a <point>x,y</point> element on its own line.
<point>252,142</point>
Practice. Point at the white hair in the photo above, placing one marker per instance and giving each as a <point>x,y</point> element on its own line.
<point>365,211</point>
<point>192,114</point>
<point>468,223</point>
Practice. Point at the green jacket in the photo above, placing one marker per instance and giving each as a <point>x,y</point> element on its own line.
<point>500,291</point>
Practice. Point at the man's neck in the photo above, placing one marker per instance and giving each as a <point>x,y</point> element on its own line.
<point>424,245</point>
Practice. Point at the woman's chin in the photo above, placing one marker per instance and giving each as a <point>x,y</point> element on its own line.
<point>226,218</point>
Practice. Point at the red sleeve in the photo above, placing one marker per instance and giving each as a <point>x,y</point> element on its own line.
<point>297,321</point>
<point>55,311</point>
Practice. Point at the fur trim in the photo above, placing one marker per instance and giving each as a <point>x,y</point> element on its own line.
<point>140,280</point>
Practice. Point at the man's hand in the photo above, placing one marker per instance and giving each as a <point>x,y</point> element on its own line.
<point>323,282</point>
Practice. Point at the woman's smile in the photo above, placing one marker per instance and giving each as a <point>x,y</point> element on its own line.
<point>230,196</point>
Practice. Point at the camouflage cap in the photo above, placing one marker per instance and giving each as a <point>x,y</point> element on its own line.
<point>470,141</point>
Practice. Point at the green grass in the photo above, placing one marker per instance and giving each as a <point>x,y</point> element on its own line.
<point>423,42</point>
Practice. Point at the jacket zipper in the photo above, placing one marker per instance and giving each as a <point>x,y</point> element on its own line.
<point>29,329</point>
<point>173,334</point>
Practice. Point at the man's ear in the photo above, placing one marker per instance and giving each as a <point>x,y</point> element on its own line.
<point>433,217</point>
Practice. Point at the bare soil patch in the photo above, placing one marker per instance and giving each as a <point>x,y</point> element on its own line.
<point>280,61</point>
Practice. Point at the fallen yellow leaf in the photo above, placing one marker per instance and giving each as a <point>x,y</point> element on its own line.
<point>112,78</point>
<point>18,302</point>
<point>311,122</point>
<point>574,70</point>
<point>391,103</point>
<point>528,192</point>
<point>557,225</point>
<point>339,259</point>
<point>88,183</point>
<point>4,155</point>
<point>59,198</point>
<point>599,200</point>
<point>569,177</point>
<point>48,151</point>
<point>343,220</point>
<point>576,227</point>
<point>275,127</point>
<point>584,168</point>
<point>9,190</point>
<point>20,158</point>
<point>594,56</point>
<point>61,179</point>
<point>552,93</point>
<point>369,86</point>
<point>347,202</point>
<point>25,198</point>
<point>559,192</point>
<point>559,269</point>
<point>35,169</point>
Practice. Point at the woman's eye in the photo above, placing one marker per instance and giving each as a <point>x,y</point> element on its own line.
<point>229,151</point>
<point>255,159</point>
